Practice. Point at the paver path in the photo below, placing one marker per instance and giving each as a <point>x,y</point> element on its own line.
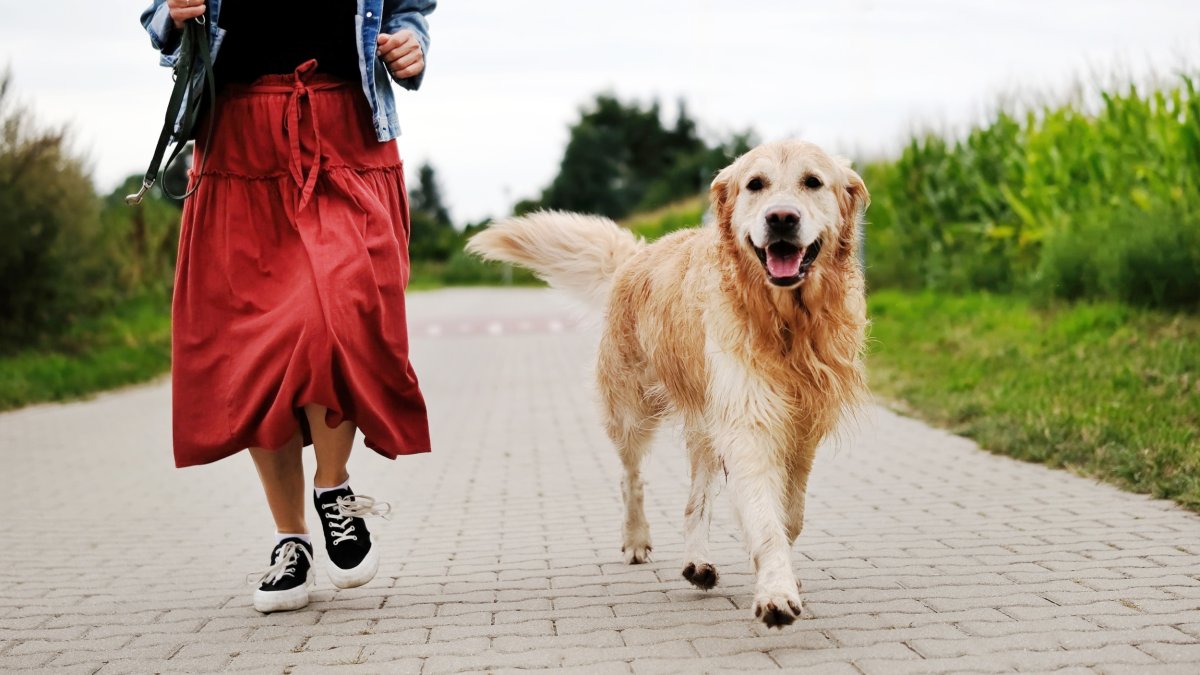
<point>921,554</point>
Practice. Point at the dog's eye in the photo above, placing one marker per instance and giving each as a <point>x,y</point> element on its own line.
<point>754,185</point>
<point>812,182</point>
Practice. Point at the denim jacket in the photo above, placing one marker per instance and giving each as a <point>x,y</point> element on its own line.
<point>374,17</point>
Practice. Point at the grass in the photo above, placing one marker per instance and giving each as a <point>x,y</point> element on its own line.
<point>427,276</point>
<point>1104,390</point>
<point>681,214</point>
<point>128,345</point>
<point>466,270</point>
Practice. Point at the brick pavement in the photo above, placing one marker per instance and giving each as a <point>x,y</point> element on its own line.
<point>922,553</point>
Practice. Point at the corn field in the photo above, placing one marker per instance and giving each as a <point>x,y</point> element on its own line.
<point>1069,201</point>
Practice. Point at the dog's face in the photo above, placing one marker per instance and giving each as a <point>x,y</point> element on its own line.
<point>788,204</point>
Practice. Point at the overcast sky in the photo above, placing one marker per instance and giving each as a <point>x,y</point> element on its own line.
<point>506,78</point>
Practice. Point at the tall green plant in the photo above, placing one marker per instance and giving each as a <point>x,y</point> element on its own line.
<point>1034,202</point>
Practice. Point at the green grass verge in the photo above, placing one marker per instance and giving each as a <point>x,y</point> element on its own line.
<point>654,224</point>
<point>129,344</point>
<point>466,270</point>
<point>1101,389</point>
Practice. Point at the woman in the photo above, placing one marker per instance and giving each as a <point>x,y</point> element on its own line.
<point>288,323</point>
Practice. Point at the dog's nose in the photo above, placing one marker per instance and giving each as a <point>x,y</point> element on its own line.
<point>783,219</point>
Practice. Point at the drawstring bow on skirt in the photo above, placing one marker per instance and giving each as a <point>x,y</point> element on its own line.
<point>300,109</point>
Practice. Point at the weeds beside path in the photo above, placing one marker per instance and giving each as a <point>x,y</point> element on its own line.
<point>130,344</point>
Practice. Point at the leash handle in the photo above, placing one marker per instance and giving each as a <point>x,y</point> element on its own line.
<point>195,58</point>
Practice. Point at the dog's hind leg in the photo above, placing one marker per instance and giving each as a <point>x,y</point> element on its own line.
<point>632,438</point>
<point>794,515</point>
<point>631,419</point>
<point>794,502</point>
<point>705,466</point>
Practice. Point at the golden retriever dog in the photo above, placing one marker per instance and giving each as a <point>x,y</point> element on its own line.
<point>750,330</point>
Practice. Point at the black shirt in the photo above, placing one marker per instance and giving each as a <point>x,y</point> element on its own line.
<point>272,38</point>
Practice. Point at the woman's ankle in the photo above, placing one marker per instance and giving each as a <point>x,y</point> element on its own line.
<point>330,481</point>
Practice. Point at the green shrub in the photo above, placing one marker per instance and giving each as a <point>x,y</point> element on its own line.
<point>1149,259</point>
<point>1071,262</point>
<point>66,255</point>
<point>139,242</point>
<point>1157,263</point>
<point>49,227</point>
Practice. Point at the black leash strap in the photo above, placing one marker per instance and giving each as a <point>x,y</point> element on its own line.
<point>193,80</point>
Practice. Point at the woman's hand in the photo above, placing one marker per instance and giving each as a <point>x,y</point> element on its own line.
<point>183,10</point>
<point>402,54</point>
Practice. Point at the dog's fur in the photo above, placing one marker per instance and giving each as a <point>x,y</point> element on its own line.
<point>760,369</point>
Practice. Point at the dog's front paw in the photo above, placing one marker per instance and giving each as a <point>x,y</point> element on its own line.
<point>702,575</point>
<point>777,610</point>
<point>636,554</point>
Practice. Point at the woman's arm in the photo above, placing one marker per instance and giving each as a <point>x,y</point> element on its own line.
<point>156,19</point>
<point>163,19</point>
<point>409,15</point>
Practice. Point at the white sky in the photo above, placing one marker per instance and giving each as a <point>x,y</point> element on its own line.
<point>507,78</point>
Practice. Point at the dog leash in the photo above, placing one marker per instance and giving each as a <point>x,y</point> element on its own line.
<point>195,53</point>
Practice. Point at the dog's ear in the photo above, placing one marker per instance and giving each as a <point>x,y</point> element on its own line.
<point>853,200</point>
<point>722,194</point>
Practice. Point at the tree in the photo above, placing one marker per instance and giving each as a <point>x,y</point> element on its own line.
<point>427,196</point>
<point>432,233</point>
<point>620,158</point>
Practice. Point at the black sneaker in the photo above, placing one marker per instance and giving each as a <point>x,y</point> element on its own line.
<point>285,584</point>
<point>353,560</point>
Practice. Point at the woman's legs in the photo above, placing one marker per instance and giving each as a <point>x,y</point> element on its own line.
<point>352,559</point>
<point>282,470</point>
<point>332,447</point>
<point>282,475</point>
<point>284,586</point>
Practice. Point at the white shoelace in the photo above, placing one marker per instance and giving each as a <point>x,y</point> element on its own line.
<point>348,508</point>
<point>284,565</point>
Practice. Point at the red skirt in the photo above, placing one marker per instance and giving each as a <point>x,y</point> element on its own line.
<point>289,288</point>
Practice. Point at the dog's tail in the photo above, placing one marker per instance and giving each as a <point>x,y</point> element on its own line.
<point>576,253</point>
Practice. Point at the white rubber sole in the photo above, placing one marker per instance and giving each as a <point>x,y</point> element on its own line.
<point>283,601</point>
<point>356,576</point>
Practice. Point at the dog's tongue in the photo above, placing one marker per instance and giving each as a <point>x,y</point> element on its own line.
<point>784,262</point>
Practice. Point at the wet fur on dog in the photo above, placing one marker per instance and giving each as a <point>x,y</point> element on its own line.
<point>751,330</point>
